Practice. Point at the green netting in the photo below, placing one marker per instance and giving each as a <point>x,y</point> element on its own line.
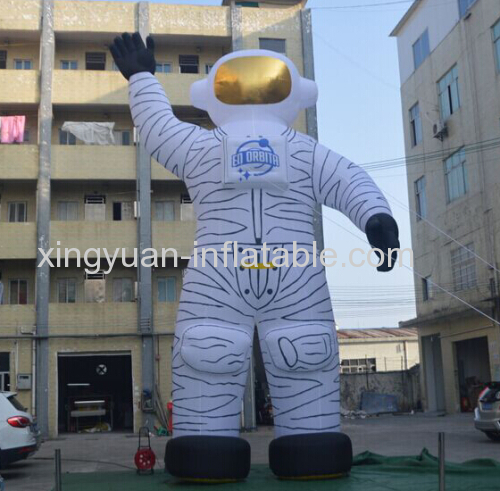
<point>371,472</point>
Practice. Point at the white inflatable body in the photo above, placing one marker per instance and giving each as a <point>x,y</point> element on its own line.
<point>253,180</point>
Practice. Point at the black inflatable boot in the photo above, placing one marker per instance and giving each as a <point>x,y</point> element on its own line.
<point>311,456</point>
<point>211,459</point>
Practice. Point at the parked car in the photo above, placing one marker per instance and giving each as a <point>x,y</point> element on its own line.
<point>19,437</point>
<point>487,413</point>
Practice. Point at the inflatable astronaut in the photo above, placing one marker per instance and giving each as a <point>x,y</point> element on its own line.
<point>253,180</point>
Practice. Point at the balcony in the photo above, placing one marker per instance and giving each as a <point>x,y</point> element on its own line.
<point>85,318</point>
<point>19,162</point>
<point>19,86</point>
<point>89,87</point>
<point>159,173</point>
<point>17,319</point>
<point>93,162</point>
<point>178,235</point>
<point>21,15</point>
<point>18,240</point>
<point>110,88</point>
<point>84,235</point>
<point>95,17</point>
<point>164,315</point>
<point>190,20</point>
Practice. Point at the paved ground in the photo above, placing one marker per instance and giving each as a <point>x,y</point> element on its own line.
<point>388,435</point>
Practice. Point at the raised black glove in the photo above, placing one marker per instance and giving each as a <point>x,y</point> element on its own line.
<point>382,233</point>
<point>132,56</point>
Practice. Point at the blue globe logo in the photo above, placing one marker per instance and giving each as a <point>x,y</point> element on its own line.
<point>254,158</point>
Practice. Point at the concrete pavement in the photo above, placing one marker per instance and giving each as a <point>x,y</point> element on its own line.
<point>387,435</point>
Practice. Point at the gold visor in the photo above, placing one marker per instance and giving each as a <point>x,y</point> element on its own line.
<point>253,80</point>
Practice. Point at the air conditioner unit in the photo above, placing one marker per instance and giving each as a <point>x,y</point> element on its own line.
<point>440,130</point>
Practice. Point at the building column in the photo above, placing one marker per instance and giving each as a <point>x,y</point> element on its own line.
<point>144,274</point>
<point>249,422</point>
<point>236,27</point>
<point>42,283</point>
<point>311,113</point>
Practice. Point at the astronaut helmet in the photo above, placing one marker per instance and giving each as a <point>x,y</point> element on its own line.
<point>253,84</point>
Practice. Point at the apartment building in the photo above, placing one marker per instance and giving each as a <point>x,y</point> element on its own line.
<point>94,348</point>
<point>449,62</point>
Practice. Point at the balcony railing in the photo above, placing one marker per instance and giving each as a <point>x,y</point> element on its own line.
<point>19,86</point>
<point>19,161</point>
<point>84,235</point>
<point>17,319</point>
<point>190,20</point>
<point>110,88</point>
<point>85,318</point>
<point>17,240</point>
<point>93,162</point>
<point>178,235</point>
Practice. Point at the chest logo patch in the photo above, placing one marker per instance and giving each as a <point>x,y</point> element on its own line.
<point>257,161</point>
<point>255,158</point>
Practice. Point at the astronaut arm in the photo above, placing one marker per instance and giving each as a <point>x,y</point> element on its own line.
<point>165,137</point>
<point>344,186</point>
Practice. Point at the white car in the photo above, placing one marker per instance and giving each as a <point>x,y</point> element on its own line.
<point>19,437</point>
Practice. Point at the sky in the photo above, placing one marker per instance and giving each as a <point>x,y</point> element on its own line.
<point>359,116</point>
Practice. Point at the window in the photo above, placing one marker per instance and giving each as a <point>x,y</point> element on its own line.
<point>122,137</point>
<point>187,209</point>
<point>27,135</point>
<point>415,125</point>
<point>66,138</point>
<point>164,68</point>
<point>167,289</point>
<point>449,99</point>
<point>18,292</point>
<point>463,267</point>
<point>420,198</point>
<point>23,64</point>
<point>360,365</point>
<point>4,372</point>
<point>95,208</point>
<point>17,211</point>
<point>164,211</point>
<point>456,176</point>
<point>278,45</point>
<point>69,65</point>
<point>464,6</point>
<point>496,43</point>
<point>208,67</point>
<point>123,210</point>
<point>95,61</point>
<point>95,287</point>
<point>67,210</point>
<point>66,290</point>
<point>421,49</point>
<point>3,59</point>
<point>189,64</point>
<point>426,288</point>
<point>123,290</point>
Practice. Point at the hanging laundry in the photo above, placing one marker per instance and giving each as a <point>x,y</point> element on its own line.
<point>12,129</point>
<point>91,133</point>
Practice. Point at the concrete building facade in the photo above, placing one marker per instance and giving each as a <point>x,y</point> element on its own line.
<point>85,348</point>
<point>449,60</point>
<point>377,350</point>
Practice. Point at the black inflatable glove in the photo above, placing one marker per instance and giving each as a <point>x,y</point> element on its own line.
<point>132,56</point>
<point>382,233</point>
